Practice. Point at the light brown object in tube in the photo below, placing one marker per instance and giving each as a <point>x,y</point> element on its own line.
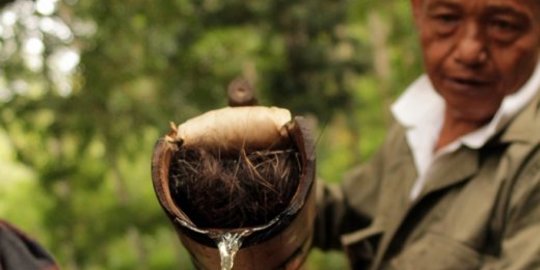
<point>235,128</point>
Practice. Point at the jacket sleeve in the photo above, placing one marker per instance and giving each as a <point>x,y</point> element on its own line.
<point>520,243</point>
<point>348,206</point>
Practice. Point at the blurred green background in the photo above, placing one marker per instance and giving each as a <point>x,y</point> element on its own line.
<point>86,88</point>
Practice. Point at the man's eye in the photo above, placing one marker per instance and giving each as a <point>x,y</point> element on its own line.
<point>447,18</point>
<point>445,23</point>
<point>503,25</point>
<point>504,30</point>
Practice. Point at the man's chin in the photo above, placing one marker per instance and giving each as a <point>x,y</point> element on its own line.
<point>475,115</point>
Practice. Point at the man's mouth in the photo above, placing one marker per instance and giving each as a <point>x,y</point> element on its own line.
<point>470,84</point>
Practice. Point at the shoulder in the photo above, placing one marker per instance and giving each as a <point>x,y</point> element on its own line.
<point>19,251</point>
<point>524,203</point>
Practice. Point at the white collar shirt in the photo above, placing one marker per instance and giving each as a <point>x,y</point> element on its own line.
<point>420,109</point>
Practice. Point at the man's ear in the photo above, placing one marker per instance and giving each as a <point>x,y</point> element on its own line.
<point>416,7</point>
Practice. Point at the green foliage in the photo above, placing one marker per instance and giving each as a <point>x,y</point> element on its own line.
<point>76,158</point>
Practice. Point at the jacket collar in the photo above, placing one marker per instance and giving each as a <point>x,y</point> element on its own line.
<point>451,169</point>
<point>458,166</point>
<point>525,128</point>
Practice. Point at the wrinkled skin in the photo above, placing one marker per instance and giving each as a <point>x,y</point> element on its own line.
<point>477,51</point>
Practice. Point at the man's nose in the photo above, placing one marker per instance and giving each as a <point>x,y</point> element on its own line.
<point>471,49</point>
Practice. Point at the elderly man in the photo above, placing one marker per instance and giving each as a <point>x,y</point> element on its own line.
<point>456,184</point>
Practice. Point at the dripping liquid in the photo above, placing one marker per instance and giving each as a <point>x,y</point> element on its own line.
<point>228,244</point>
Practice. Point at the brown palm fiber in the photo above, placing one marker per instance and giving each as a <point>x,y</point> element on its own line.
<point>233,191</point>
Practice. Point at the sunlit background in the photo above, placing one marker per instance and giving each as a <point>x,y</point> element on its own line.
<point>87,87</point>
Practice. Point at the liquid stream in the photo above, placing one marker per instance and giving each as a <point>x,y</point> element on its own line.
<point>228,244</point>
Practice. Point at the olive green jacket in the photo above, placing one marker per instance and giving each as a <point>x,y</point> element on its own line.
<point>480,209</point>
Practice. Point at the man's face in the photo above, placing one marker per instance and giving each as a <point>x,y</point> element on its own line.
<point>478,51</point>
